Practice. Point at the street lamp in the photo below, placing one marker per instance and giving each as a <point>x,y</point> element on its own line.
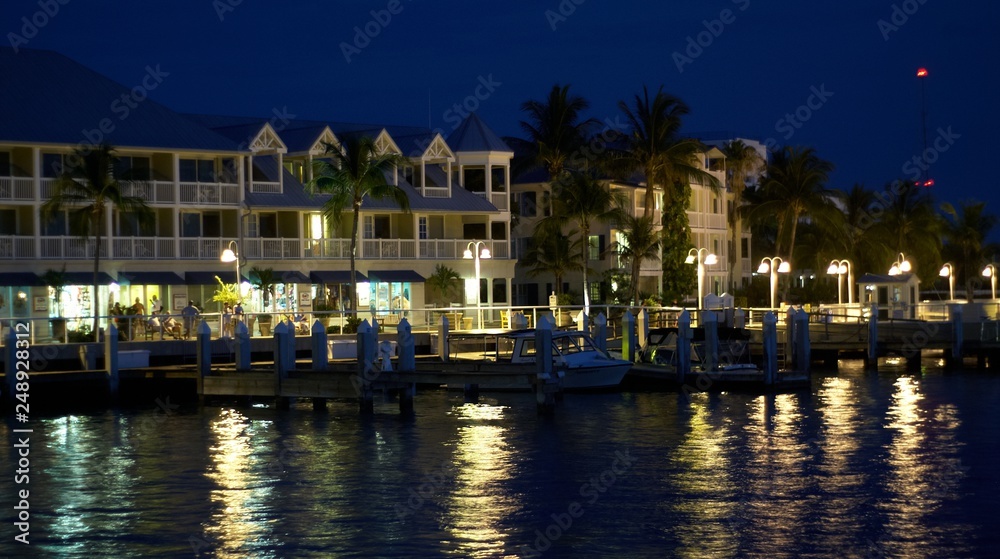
<point>841,267</point>
<point>484,252</point>
<point>704,258</point>
<point>774,264</point>
<point>900,266</point>
<point>232,254</point>
<point>990,271</point>
<point>948,271</point>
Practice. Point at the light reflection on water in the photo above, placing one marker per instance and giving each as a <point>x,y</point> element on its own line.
<point>862,465</point>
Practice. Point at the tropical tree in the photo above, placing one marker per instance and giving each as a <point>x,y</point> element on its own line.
<point>742,163</point>
<point>555,129</point>
<point>794,186</point>
<point>265,281</point>
<point>580,199</point>
<point>656,147</point>
<point>552,254</point>
<point>966,230</point>
<point>349,173</point>
<point>640,240</point>
<point>910,225</point>
<point>442,283</point>
<point>91,188</point>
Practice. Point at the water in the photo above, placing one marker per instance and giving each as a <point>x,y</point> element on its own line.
<point>861,465</point>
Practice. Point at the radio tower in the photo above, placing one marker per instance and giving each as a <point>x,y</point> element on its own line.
<point>922,76</point>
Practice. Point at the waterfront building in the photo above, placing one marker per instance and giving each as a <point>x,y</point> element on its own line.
<point>216,182</point>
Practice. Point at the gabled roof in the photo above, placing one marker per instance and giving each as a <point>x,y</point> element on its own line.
<point>49,98</point>
<point>473,135</point>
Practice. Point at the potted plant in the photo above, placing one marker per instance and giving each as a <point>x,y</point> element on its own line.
<point>264,280</point>
<point>56,282</point>
<point>322,308</point>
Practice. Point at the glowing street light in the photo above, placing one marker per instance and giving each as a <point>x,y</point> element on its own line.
<point>484,252</point>
<point>841,267</point>
<point>703,258</point>
<point>900,266</point>
<point>775,265</point>
<point>232,254</point>
<point>948,271</point>
<point>990,271</point>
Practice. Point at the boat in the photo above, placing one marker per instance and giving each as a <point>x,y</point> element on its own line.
<point>506,359</point>
<point>656,364</point>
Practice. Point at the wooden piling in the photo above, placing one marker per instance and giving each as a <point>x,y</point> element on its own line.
<point>241,335</point>
<point>319,343</point>
<point>871,357</point>
<point>601,331</point>
<point>770,331</point>
<point>111,360</point>
<point>546,380</point>
<point>629,338</point>
<point>683,346</point>
<point>710,325</point>
<point>366,363</point>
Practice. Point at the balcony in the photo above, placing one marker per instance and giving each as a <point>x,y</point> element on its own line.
<point>454,249</point>
<point>17,188</point>
<point>17,248</point>
<point>209,193</point>
<point>699,220</point>
<point>153,192</point>
<point>498,199</point>
<point>265,187</point>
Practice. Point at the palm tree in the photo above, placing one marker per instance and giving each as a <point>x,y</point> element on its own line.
<point>442,283</point>
<point>91,188</point>
<point>349,173</point>
<point>742,162</point>
<point>552,254</point>
<point>857,237</point>
<point>555,129</point>
<point>656,147</point>
<point>641,240</point>
<point>794,186</point>
<point>581,199</point>
<point>966,230</point>
<point>910,225</point>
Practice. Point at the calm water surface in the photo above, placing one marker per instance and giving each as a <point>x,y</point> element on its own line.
<point>862,465</point>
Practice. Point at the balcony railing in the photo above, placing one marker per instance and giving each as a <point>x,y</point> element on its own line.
<point>266,187</point>
<point>17,188</point>
<point>142,248</point>
<point>436,192</point>
<point>209,194</point>
<point>498,199</point>
<point>707,221</point>
<point>16,248</point>
<point>71,248</point>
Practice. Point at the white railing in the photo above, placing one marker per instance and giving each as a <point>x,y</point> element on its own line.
<point>71,248</point>
<point>435,192</point>
<point>142,248</point>
<point>707,221</point>
<point>48,188</point>
<point>272,249</point>
<point>388,249</point>
<point>266,187</point>
<point>209,194</point>
<point>17,188</point>
<point>201,248</point>
<point>500,200</point>
<point>16,248</point>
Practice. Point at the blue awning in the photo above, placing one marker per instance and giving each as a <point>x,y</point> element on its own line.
<point>150,278</point>
<point>393,276</point>
<point>208,278</point>
<point>291,276</point>
<point>334,276</point>
<point>20,279</point>
<point>87,278</point>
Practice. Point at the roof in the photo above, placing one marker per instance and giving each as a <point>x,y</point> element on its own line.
<point>50,98</point>
<point>335,276</point>
<point>473,135</point>
<point>293,194</point>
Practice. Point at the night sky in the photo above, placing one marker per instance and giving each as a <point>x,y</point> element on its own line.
<point>844,71</point>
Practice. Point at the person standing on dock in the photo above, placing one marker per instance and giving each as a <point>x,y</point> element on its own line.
<point>190,314</point>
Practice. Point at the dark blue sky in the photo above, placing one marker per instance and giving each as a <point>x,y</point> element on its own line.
<point>766,63</point>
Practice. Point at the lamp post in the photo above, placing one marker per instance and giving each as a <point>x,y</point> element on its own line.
<point>774,264</point>
<point>703,258</point>
<point>900,266</point>
<point>948,271</point>
<point>990,271</point>
<point>478,254</point>
<point>841,267</point>
<point>232,254</point>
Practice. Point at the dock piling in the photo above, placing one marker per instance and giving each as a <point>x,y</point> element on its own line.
<point>683,346</point>
<point>241,336</point>
<point>10,362</point>
<point>710,324</point>
<point>629,340</point>
<point>317,334</point>
<point>366,367</point>
<point>770,348</point>
<point>957,337</point>
<point>111,360</point>
<point>641,328</point>
<point>601,331</point>
<point>203,353</point>
<point>546,380</point>
<point>871,357</point>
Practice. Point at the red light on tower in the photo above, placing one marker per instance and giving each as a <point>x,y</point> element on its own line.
<point>929,183</point>
<point>921,72</point>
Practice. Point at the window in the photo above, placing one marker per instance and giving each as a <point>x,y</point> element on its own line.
<point>207,224</point>
<point>129,225</point>
<point>595,247</point>
<point>8,222</point>
<point>268,225</point>
<point>211,224</point>
<point>383,227</point>
<point>190,224</point>
<point>4,164</point>
<point>715,205</point>
<point>474,231</point>
<point>475,180</point>
<point>199,170</point>
<point>499,290</point>
<point>497,179</point>
<point>595,292</point>
<point>529,204</point>
<point>135,168</point>
<point>745,245</point>
<point>369,232</point>
<point>422,227</point>
<point>498,230</point>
